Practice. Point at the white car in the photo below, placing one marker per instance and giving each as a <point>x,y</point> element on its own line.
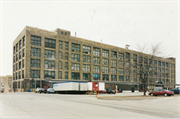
<point>38,89</point>
<point>50,90</point>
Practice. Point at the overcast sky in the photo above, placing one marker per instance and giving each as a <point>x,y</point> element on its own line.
<point>115,22</point>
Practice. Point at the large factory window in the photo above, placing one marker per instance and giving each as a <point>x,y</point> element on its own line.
<point>35,52</point>
<point>75,47</point>
<point>36,40</point>
<point>50,43</point>
<point>87,59</point>
<point>96,51</point>
<point>35,73</point>
<point>86,49</point>
<point>49,54</point>
<point>75,75</point>
<point>105,53</point>
<point>49,74</point>
<point>35,63</point>
<point>96,77</point>
<point>105,77</point>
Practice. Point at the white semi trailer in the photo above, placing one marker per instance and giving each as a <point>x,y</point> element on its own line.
<point>77,87</point>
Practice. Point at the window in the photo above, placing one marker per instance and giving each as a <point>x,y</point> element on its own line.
<point>23,51</point>
<point>17,57</point>
<point>155,68</point>
<point>66,55</point>
<point>24,41</point>
<point>163,64</point>
<point>16,66</point>
<point>105,69</point>
<point>105,61</point>
<point>75,75</point>
<point>127,64</point>
<point>155,74</point>
<point>121,78</point>
<point>35,73</point>
<point>50,43</point>
<point>105,77</point>
<point>145,60</point>
<point>113,62</point>
<point>105,53</point>
<point>16,75</point>
<point>96,60</point>
<point>14,59</point>
<point>127,56</point>
<point>96,68</point>
<point>87,59</point>
<point>19,74</point>
<point>121,56</point>
<point>159,69</point>
<point>134,72</point>
<point>60,75</point>
<point>134,57</point>
<point>60,65</point>
<point>20,65</point>
<point>22,73</point>
<point>75,47</point>
<point>113,70</point>
<point>121,63</point>
<point>49,54</point>
<point>35,52</point>
<point>113,78</point>
<point>135,65</point>
<point>75,57</point>
<point>159,74</point>
<point>49,74</point>
<point>20,44</point>
<point>75,66</point>
<point>127,72</point>
<point>66,75</point>
<point>121,71</point>
<point>86,76</point>
<point>60,45</point>
<point>127,78</point>
<point>135,79</point>
<point>159,63</point>
<point>49,64</point>
<point>61,33</point>
<point>35,63</point>
<point>66,65</point>
<point>96,51</point>
<point>86,67</point>
<point>167,64</point>
<point>86,49</point>
<point>65,33</point>
<point>113,54</point>
<point>66,45</point>
<point>60,55</point>
<point>20,55</point>
<point>96,77</point>
<point>167,70</point>
<point>140,60</point>
<point>35,40</point>
<point>16,47</point>
<point>163,74</point>
<point>23,63</point>
<point>155,62</point>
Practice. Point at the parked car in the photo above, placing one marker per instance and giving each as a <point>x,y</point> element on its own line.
<point>176,91</point>
<point>37,89</point>
<point>102,91</point>
<point>115,91</point>
<point>50,90</point>
<point>161,92</point>
<point>120,90</point>
<point>109,91</point>
<point>141,90</point>
<point>42,90</point>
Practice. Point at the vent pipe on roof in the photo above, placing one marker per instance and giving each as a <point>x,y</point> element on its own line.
<point>127,46</point>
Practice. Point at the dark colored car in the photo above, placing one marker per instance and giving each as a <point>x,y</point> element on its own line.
<point>176,91</point>
<point>43,90</point>
<point>161,92</point>
<point>110,91</point>
<point>120,90</point>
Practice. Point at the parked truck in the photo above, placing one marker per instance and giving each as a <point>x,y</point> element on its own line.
<point>72,87</point>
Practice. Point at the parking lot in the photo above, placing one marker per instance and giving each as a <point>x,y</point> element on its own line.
<point>122,105</point>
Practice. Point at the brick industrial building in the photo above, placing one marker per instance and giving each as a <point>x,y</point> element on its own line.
<point>42,57</point>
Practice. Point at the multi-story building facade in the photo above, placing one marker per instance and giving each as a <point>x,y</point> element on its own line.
<point>42,57</point>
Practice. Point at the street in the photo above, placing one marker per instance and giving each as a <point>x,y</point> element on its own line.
<point>35,105</point>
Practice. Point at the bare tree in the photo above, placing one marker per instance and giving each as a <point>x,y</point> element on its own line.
<point>143,62</point>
